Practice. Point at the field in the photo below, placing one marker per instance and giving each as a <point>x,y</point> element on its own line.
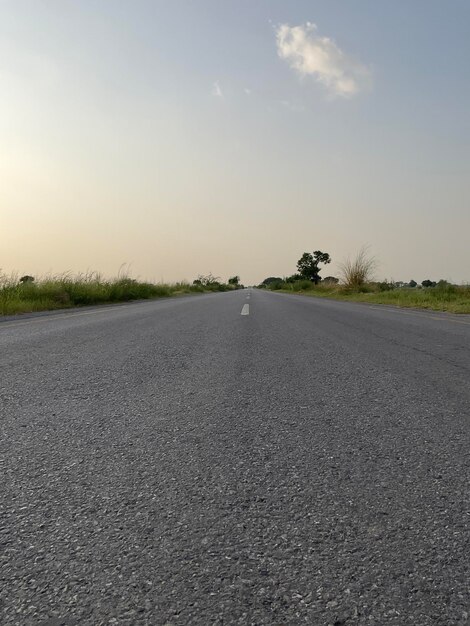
<point>71,291</point>
<point>443,297</point>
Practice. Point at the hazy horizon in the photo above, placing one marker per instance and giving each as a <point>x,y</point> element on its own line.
<point>182,138</point>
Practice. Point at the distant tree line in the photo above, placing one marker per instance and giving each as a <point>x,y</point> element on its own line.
<point>214,283</point>
<point>356,273</point>
<point>308,270</point>
<point>207,282</point>
<point>412,284</point>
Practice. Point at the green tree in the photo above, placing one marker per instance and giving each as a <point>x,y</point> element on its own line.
<point>234,280</point>
<point>271,279</point>
<point>27,279</point>
<point>308,265</point>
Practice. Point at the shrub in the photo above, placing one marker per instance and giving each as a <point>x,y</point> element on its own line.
<point>303,285</point>
<point>293,278</point>
<point>444,288</point>
<point>386,285</point>
<point>359,270</point>
<point>271,279</point>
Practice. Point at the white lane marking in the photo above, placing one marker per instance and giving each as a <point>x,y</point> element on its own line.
<point>245,310</point>
<point>248,297</point>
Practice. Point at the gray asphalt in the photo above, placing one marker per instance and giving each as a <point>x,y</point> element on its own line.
<point>175,462</point>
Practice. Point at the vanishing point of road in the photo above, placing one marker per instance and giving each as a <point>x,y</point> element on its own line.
<point>244,458</point>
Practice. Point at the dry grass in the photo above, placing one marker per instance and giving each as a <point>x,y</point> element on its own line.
<point>359,270</point>
<point>67,290</point>
<point>443,297</point>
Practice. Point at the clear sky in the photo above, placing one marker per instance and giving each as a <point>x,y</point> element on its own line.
<point>229,136</point>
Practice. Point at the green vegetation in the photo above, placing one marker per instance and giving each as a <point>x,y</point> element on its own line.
<point>308,265</point>
<point>27,294</point>
<point>273,282</point>
<point>442,297</point>
<point>357,285</point>
<point>234,280</point>
<point>213,283</point>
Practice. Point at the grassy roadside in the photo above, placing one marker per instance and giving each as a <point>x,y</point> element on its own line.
<point>66,292</point>
<point>450,298</point>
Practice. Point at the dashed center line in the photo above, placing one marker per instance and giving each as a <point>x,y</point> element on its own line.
<point>245,309</point>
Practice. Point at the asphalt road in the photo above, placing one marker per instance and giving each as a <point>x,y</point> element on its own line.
<point>177,462</point>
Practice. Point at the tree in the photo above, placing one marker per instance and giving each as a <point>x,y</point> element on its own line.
<point>234,280</point>
<point>332,280</point>
<point>308,265</point>
<point>271,279</point>
<point>27,279</point>
<point>428,283</point>
<point>413,283</point>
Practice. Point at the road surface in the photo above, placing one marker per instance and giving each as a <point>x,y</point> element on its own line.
<point>238,458</point>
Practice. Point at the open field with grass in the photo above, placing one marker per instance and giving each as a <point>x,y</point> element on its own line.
<point>71,291</point>
<point>443,297</point>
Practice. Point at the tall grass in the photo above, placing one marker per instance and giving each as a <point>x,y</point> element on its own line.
<point>359,270</point>
<point>443,297</point>
<point>64,291</point>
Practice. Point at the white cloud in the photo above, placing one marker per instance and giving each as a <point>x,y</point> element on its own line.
<point>247,91</point>
<point>320,57</point>
<point>216,90</point>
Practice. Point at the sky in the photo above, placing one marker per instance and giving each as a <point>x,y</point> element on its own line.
<point>174,138</point>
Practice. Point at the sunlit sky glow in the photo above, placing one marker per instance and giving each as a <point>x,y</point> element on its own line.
<point>182,137</point>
